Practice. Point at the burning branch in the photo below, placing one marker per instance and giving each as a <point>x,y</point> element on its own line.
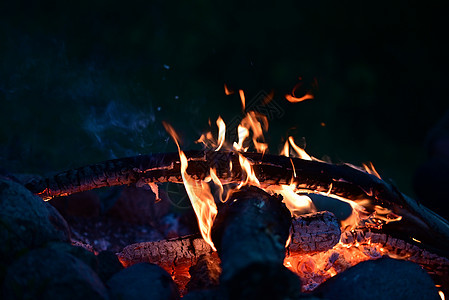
<point>312,176</point>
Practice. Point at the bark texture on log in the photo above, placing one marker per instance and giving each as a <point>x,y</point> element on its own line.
<point>400,249</point>
<point>205,273</point>
<point>167,254</point>
<point>314,232</point>
<point>250,233</point>
<point>341,180</point>
<point>310,233</point>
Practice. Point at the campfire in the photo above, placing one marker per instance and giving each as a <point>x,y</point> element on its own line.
<point>260,213</point>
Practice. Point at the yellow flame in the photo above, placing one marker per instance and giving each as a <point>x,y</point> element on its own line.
<point>199,194</point>
<point>248,175</point>
<point>221,132</point>
<point>301,152</point>
<point>243,134</point>
<point>216,180</point>
<point>285,151</point>
<point>258,123</point>
<point>369,168</point>
<point>441,295</point>
<point>296,204</point>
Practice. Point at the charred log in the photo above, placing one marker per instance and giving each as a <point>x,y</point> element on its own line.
<point>250,235</point>
<point>314,232</point>
<point>169,254</point>
<point>205,273</point>
<point>310,233</point>
<point>397,248</point>
<point>341,180</point>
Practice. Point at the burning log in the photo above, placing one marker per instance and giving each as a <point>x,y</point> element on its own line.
<point>315,176</point>
<point>342,180</point>
<point>310,233</point>
<point>314,232</point>
<point>205,273</point>
<point>250,235</point>
<point>396,248</point>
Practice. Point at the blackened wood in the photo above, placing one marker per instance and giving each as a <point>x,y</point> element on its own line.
<point>168,254</point>
<point>432,262</point>
<point>341,180</point>
<point>310,233</point>
<point>252,228</point>
<point>250,233</point>
<point>314,232</point>
<point>205,273</point>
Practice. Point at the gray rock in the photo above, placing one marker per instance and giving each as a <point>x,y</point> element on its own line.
<point>384,278</point>
<point>108,265</point>
<point>26,221</point>
<point>89,258</point>
<point>51,274</point>
<point>143,281</point>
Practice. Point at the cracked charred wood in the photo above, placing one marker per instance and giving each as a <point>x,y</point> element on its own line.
<point>314,232</point>
<point>437,266</point>
<point>205,273</point>
<point>310,233</point>
<point>432,262</point>
<point>341,180</point>
<point>168,254</point>
<point>250,233</point>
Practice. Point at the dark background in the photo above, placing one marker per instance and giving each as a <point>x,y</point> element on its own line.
<point>93,80</point>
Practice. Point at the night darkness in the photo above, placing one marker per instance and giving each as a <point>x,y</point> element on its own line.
<point>93,80</point>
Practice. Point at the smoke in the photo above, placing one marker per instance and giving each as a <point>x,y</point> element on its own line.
<point>120,129</point>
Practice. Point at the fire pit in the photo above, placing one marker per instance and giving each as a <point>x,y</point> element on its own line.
<point>258,217</point>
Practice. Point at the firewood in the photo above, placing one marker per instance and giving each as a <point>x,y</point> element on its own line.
<point>169,254</point>
<point>398,248</point>
<point>205,273</point>
<point>310,233</point>
<point>340,180</point>
<point>314,232</point>
<point>250,233</point>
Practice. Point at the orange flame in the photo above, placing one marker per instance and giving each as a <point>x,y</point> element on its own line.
<point>369,168</point>
<point>227,90</point>
<point>301,153</point>
<point>199,194</point>
<point>293,99</point>
<point>285,151</point>
<point>258,123</point>
<point>242,97</point>
<point>248,175</point>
